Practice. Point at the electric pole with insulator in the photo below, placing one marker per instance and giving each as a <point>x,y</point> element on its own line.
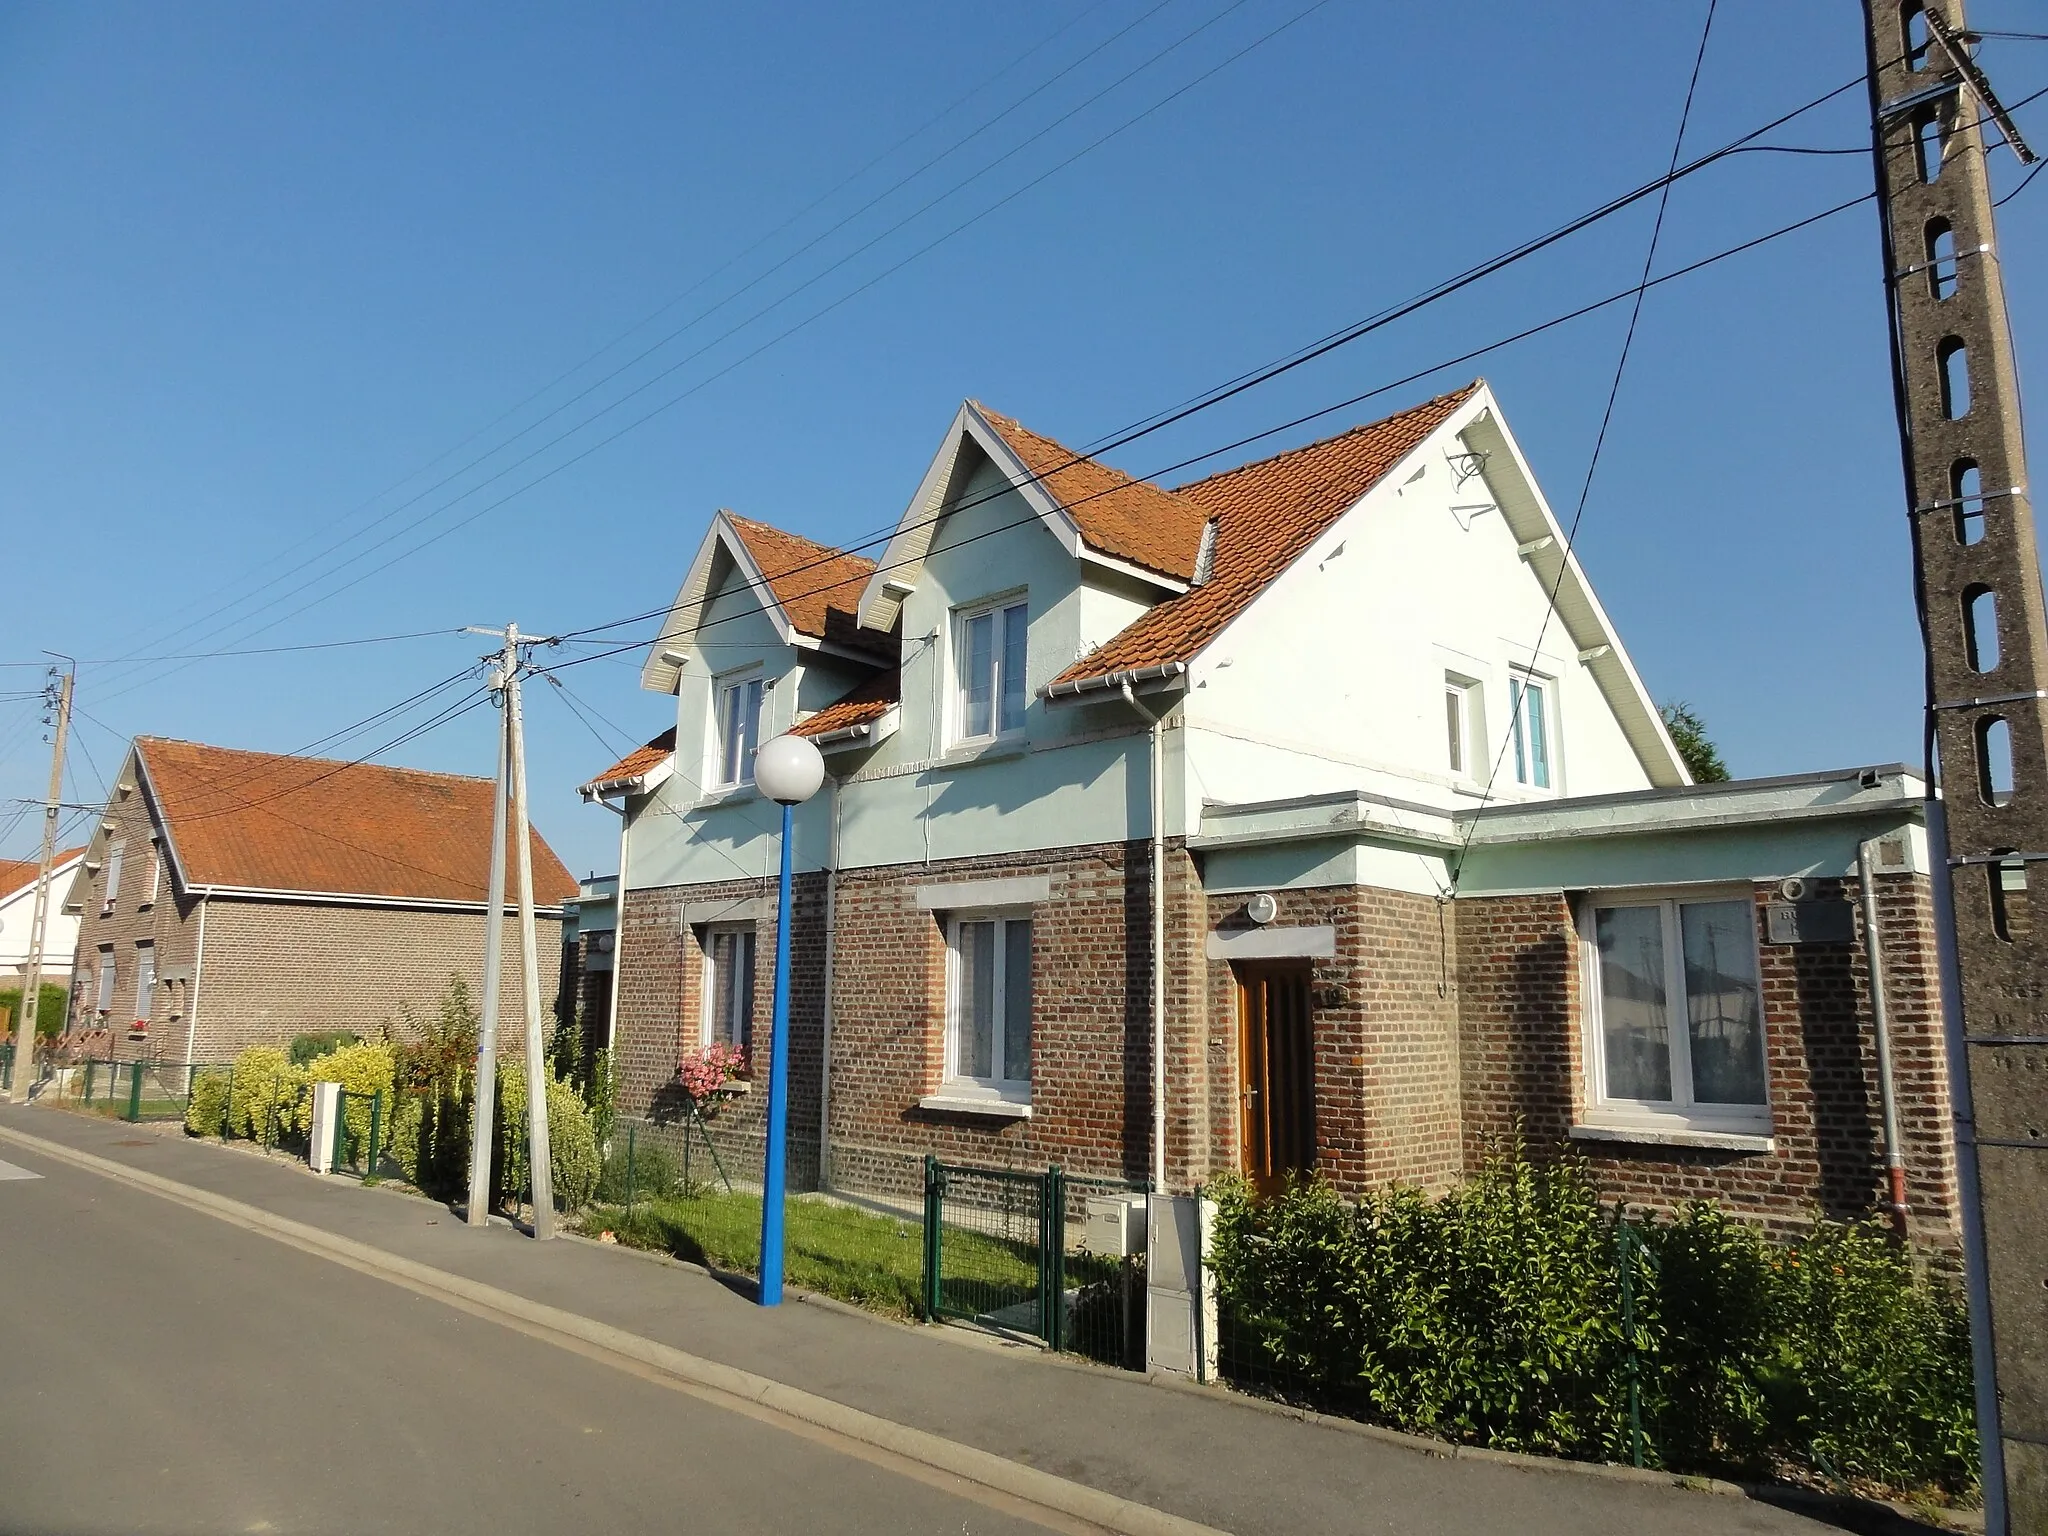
<point>39,915</point>
<point>1978,586</point>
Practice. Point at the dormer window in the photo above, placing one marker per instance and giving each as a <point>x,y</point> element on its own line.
<point>736,729</point>
<point>988,656</point>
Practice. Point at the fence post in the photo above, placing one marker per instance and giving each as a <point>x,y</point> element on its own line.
<point>1053,1255</point>
<point>629,1172</point>
<point>89,1065</point>
<point>934,1203</point>
<point>1624,1240</point>
<point>134,1092</point>
<point>340,1127</point>
<point>376,1126</point>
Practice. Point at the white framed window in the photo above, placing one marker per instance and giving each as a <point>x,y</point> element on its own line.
<point>988,1004</point>
<point>116,852</point>
<point>1529,704</point>
<point>103,1000</point>
<point>729,987</point>
<point>736,728</point>
<point>145,980</point>
<point>156,874</point>
<point>989,648</point>
<point>1675,1009</point>
<point>1464,732</point>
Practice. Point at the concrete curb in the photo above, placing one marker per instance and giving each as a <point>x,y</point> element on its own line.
<point>1076,1500</point>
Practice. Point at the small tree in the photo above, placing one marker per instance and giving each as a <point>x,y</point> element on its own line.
<point>1689,734</point>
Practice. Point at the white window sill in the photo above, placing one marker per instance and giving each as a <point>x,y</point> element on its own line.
<point>1677,1134</point>
<point>986,749</point>
<point>728,794</point>
<point>975,1104</point>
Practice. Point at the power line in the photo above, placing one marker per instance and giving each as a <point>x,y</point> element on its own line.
<point>1514,730</point>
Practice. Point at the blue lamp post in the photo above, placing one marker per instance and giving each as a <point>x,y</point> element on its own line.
<point>788,770</point>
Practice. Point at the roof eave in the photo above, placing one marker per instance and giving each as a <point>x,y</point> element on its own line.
<point>1140,679</point>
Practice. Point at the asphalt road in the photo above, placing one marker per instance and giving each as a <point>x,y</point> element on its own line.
<point>167,1372</point>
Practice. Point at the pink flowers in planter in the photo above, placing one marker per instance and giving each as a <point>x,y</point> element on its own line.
<point>705,1073</point>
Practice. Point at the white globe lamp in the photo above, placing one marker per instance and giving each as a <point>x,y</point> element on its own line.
<point>789,770</point>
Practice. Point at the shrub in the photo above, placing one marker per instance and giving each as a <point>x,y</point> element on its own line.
<point>53,1008</point>
<point>647,1169</point>
<point>206,1109</point>
<point>601,1096</point>
<point>362,1068</point>
<point>308,1048</point>
<point>265,1089</point>
<point>1493,1314</point>
<point>429,1137</point>
<point>572,1150</point>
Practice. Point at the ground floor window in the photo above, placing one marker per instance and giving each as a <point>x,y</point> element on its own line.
<point>729,987</point>
<point>1675,1007</point>
<point>988,1004</point>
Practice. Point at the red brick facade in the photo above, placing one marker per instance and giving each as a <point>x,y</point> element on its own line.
<point>1439,1031</point>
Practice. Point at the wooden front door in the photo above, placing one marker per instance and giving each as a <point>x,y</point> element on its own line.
<point>1277,1073</point>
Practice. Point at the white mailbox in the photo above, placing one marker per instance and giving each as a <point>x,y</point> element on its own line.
<point>1114,1225</point>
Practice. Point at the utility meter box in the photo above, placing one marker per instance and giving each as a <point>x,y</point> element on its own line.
<point>326,1111</point>
<point>1114,1225</point>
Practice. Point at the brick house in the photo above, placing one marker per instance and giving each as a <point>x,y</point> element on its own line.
<point>1310,815</point>
<point>232,898</point>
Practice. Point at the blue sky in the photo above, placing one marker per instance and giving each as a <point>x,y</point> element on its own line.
<point>272,273</point>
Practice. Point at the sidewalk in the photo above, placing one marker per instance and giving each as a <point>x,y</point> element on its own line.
<point>1199,1453</point>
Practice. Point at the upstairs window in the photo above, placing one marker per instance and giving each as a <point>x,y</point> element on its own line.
<point>1529,702</point>
<point>1462,731</point>
<point>1677,1026</point>
<point>988,1012</point>
<point>737,726</point>
<point>989,655</point>
<point>729,987</point>
<point>154,884</point>
<point>103,1000</point>
<point>115,853</point>
<point>145,981</point>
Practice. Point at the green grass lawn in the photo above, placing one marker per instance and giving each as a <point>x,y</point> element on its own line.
<point>871,1260</point>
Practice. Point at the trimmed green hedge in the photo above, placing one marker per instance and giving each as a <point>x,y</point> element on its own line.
<point>1493,1315</point>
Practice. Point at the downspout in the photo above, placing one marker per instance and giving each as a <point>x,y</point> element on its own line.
<point>611,1002</point>
<point>1880,1016</point>
<point>192,1000</point>
<point>831,935</point>
<point>1158,972</point>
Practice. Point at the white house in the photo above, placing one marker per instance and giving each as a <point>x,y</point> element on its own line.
<point>1308,815</point>
<point>17,916</point>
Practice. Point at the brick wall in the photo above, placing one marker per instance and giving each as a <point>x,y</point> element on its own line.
<point>1522,1054</point>
<point>1091,1019</point>
<point>146,910</point>
<point>659,974</point>
<point>274,969</point>
<point>1385,1032</point>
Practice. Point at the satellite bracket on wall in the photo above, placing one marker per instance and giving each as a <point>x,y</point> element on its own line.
<point>1466,514</point>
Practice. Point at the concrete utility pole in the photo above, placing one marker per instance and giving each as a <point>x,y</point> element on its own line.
<point>32,973</point>
<point>1978,583</point>
<point>511,792</point>
<point>484,1099</point>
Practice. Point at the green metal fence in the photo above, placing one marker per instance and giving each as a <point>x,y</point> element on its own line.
<point>359,1142</point>
<point>126,1090</point>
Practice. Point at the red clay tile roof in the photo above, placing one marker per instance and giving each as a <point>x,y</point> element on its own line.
<point>1266,514</point>
<point>20,874</point>
<point>863,705</point>
<point>818,587</point>
<point>636,762</point>
<point>1128,519</point>
<point>259,821</point>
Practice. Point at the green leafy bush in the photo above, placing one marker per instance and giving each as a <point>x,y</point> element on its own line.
<point>435,1058</point>
<point>308,1048</point>
<point>364,1069</point>
<point>1494,1314</point>
<point>206,1109</point>
<point>53,1007</point>
<point>572,1149</point>
<point>645,1168</point>
<point>601,1097</point>
<point>265,1089</point>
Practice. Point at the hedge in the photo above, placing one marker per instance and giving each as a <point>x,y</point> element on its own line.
<point>572,1148</point>
<point>1493,1315</point>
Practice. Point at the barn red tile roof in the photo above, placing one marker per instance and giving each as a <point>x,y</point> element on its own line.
<point>639,761</point>
<point>818,587</point>
<point>863,705</point>
<point>20,874</point>
<point>1266,514</point>
<point>259,821</point>
<point>1127,519</point>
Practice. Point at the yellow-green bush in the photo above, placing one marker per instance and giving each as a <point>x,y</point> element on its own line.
<point>206,1109</point>
<point>364,1068</point>
<point>266,1089</point>
<point>572,1147</point>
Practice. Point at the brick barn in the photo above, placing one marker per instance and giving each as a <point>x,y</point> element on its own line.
<point>1308,816</point>
<point>233,898</point>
